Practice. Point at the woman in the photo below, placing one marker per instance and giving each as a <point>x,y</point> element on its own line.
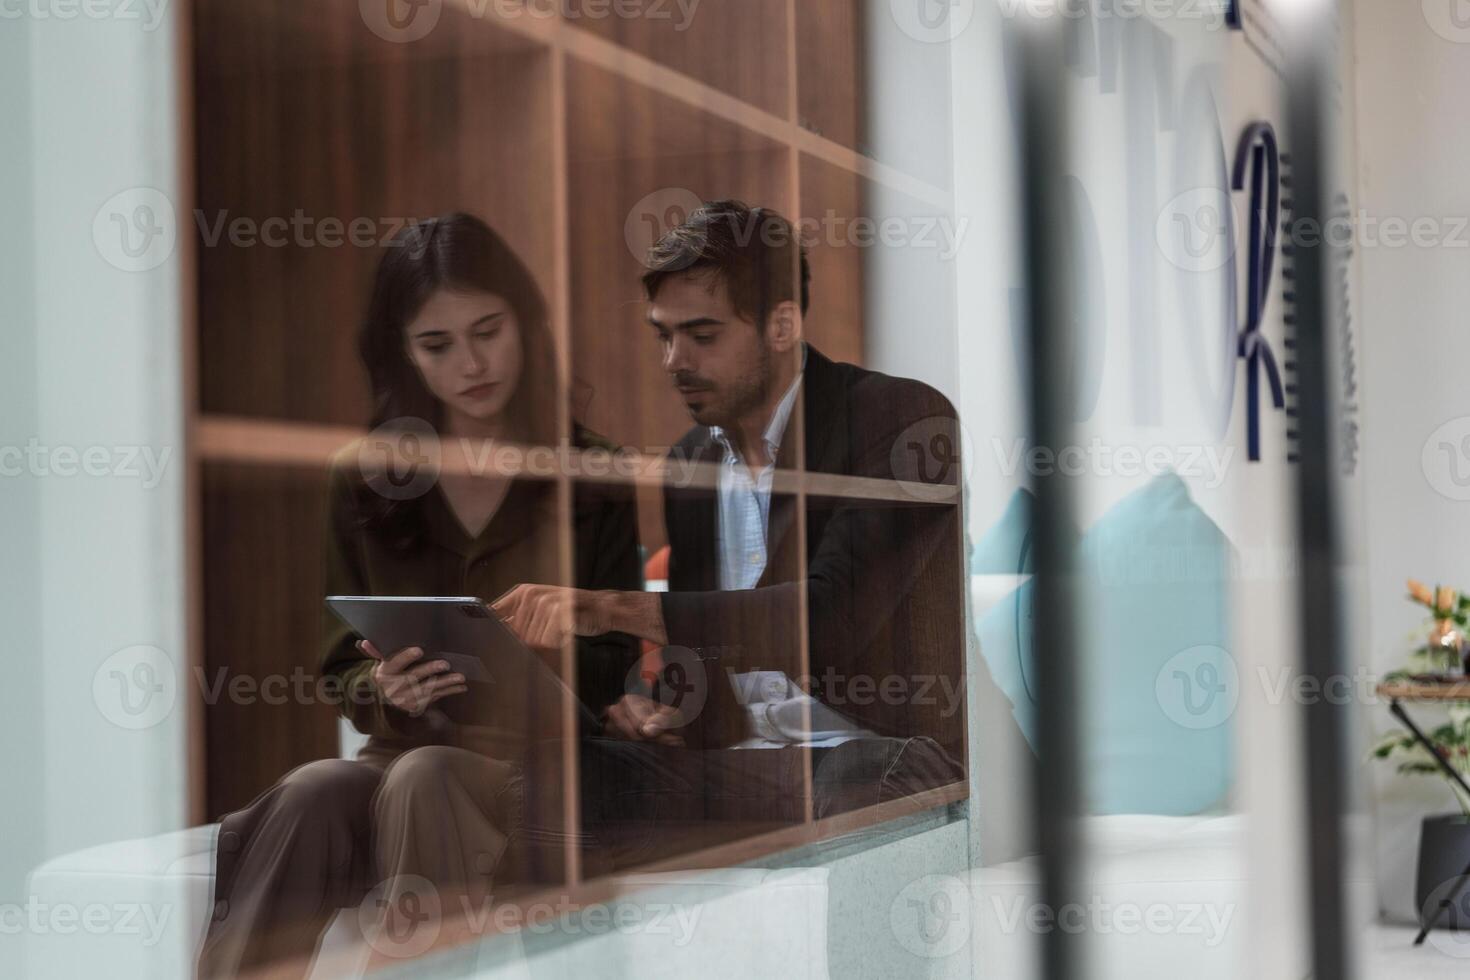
<point>458,352</point>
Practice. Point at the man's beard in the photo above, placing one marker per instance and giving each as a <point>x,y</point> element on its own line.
<point>742,396</point>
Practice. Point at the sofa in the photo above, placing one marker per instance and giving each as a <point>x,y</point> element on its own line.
<point>156,894</point>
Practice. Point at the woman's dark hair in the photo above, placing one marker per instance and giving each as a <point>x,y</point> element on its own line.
<point>460,253</point>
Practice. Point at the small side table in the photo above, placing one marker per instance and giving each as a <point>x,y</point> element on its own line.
<point>1417,691</point>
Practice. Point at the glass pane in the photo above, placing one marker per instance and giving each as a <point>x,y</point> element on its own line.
<point>558,488</point>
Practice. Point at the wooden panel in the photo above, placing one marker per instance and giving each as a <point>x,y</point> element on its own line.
<point>737,46</point>
<point>630,145</point>
<point>308,447</point>
<point>556,137</point>
<point>831,198</point>
<point>778,124</point>
<point>830,93</point>
<point>321,122</point>
<point>263,570</point>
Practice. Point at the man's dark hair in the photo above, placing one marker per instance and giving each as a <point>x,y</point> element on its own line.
<point>754,251</point>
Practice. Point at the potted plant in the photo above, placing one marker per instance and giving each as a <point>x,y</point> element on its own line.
<point>1444,840</point>
<point>1446,649</point>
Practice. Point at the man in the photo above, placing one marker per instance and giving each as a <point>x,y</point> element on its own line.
<point>873,569</point>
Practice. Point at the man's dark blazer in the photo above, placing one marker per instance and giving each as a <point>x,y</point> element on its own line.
<point>884,595</point>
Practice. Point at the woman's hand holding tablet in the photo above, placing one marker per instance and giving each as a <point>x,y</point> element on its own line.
<point>411,686</point>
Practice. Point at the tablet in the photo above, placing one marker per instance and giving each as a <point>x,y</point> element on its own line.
<point>510,687</point>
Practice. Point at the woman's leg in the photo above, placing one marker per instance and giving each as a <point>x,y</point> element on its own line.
<point>286,863</point>
<point>444,819</point>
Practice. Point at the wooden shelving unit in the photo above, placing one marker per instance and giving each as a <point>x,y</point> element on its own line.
<point>550,129</point>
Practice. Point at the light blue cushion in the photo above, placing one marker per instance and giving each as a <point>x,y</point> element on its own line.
<point>1006,638</point>
<point>1158,685</point>
<point>1005,548</point>
<point>1005,630</point>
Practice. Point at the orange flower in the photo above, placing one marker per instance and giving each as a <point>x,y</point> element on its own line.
<point>1420,592</point>
<point>1444,602</point>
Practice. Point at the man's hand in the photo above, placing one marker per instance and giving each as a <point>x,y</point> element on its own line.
<point>409,686</point>
<point>640,719</point>
<point>545,617</point>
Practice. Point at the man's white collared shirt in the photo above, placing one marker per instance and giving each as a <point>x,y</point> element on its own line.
<point>745,499</point>
<point>778,712</point>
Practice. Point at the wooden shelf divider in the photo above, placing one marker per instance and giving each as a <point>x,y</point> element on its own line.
<point>551,131</point>
<point>297,445</point>
<point>558,35</point>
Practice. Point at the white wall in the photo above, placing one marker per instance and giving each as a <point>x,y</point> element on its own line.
<point>93,564</point>
<point>1413,148</point>
<point>1155,329</point>
<point>19,496</point>
<point>108,348</point>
